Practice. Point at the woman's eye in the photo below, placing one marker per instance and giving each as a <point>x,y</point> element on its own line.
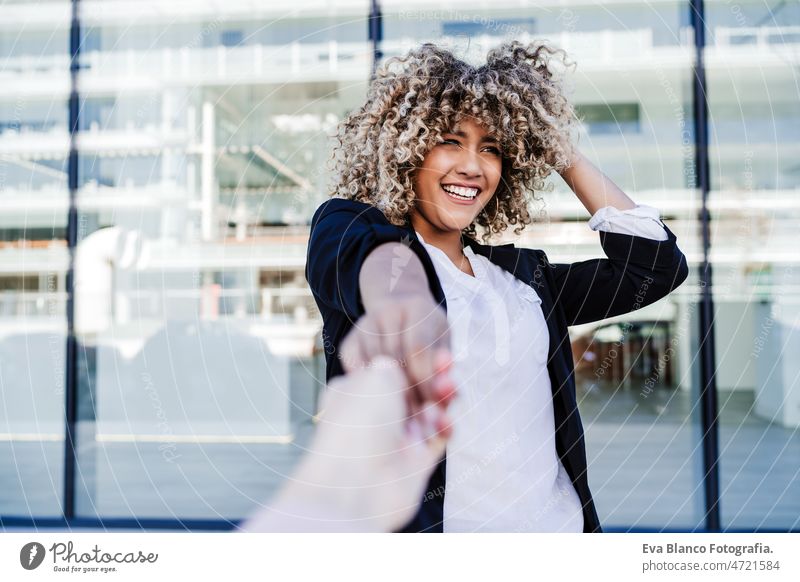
<point>492,149</point>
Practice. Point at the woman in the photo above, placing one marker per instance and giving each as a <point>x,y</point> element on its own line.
<point>440,150</point>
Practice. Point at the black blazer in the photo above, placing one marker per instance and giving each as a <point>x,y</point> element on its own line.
<point>637,272</point>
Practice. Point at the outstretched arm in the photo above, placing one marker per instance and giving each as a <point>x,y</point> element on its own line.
<point>382,279</point>
<point>402,320</point>
<point>368,463</point>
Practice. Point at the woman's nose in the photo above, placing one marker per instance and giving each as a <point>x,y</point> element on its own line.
<point>469,163</point>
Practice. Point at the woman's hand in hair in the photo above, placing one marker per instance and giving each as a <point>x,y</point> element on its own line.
<point>592,187</point>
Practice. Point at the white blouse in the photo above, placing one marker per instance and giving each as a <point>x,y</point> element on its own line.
<point>503,472</point>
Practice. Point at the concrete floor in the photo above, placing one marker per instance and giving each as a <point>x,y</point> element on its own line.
<point>644,469</point>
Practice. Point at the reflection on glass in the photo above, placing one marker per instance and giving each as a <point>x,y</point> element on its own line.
<point>202,143</point>
<point>755,136</point>
<point>202,146</point>
<point>33,257</point>
<point>631,88</point>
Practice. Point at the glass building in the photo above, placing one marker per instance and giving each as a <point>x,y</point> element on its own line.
<point>201,147</point>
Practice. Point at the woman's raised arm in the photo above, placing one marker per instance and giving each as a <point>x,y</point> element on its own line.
<point>643,261</point>
<point>593,188</point>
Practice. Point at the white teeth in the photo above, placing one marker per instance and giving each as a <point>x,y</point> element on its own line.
<point>467,193</point>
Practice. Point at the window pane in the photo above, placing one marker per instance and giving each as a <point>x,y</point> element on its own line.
<point>755,136</point>
<point>203,147</point>
<point>632,87</point>
<point>34,88</point>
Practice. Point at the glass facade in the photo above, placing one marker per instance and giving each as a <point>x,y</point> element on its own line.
<point>632,89</point>
<point>755,203</point>
<point>202,146</point>
<point>200,337</point>
<point>34,143</point>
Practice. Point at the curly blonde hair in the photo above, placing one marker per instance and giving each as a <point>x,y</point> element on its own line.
<point>415,98</point>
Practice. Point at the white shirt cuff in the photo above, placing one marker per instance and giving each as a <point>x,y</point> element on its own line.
<point>643,221</point>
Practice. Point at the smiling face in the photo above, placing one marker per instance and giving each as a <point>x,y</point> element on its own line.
<point>456,180</point>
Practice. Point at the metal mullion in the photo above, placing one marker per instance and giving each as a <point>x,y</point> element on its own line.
<point>375,34</point>
<point>71,364</point>
<point>708,381</point>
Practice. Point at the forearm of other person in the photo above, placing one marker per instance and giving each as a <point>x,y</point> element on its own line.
<point>368,462</point>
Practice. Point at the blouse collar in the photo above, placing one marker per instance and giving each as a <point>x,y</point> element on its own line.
<point>474,261</point>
